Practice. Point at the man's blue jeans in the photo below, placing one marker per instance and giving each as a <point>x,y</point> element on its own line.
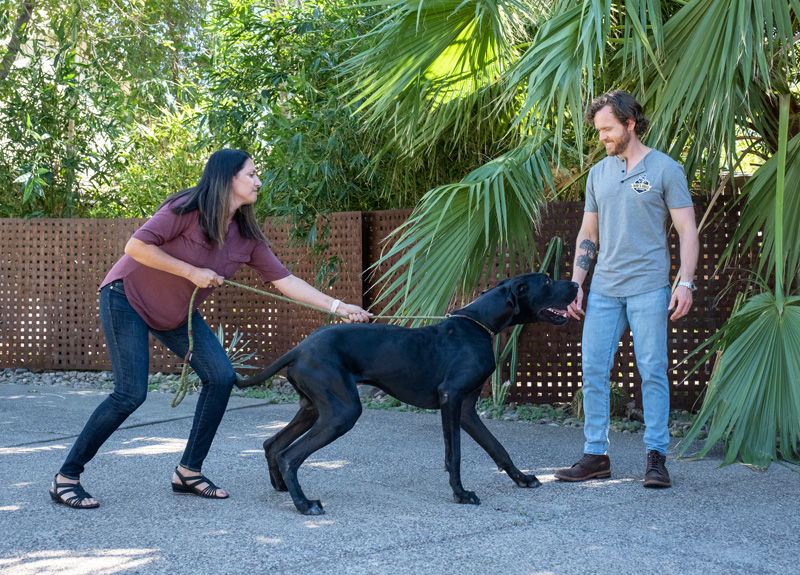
<point>128,346</point>
<point>606,320</point>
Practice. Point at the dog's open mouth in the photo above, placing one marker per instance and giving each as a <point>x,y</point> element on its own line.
<point>554,315</point>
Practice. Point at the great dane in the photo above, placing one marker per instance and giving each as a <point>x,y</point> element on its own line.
<point>443,366</point>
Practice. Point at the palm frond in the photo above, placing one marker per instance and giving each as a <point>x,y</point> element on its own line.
<point>459,230</point>
<point>715,54</point>
<point>430,67</point>
<point>753,398</point>
<point>754,395</point>
<point>756,229</point>
<point>636,45</point>
<point>564,65</point>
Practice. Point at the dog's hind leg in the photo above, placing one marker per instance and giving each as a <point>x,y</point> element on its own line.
<point>473,425</point>
<point>450,406</point>
<point>302,422</point>
<point>337,415</point>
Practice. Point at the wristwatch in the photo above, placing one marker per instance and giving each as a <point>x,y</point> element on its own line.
<point>689,285</point>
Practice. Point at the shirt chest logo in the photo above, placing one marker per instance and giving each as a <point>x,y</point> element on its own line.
<point>641,185</point>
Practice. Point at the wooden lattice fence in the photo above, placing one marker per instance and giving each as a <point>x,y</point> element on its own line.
<point>50,270</point>
<point>549,362</point>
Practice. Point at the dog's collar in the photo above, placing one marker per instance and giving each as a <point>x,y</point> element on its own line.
<point>491,333</point>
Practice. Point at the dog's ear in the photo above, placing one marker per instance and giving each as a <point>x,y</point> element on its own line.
<point>501,283</point>
<point>513,291</point>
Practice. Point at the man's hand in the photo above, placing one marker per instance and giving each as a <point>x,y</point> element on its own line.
<point>681,302</point>
<point>576,307</point>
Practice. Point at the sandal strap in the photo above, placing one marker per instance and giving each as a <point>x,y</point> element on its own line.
<point>195,480</point>
<point>74,501</point>
<point>80,494</point>
<point>76,488</point>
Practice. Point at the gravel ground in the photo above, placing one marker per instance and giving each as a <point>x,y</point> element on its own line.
<point>280,391</point>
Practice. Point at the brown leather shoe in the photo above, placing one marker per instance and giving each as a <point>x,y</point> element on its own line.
<point>589,467</point>
<point>656,474</point>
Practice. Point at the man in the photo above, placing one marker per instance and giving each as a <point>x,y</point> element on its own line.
<point>629,196</point>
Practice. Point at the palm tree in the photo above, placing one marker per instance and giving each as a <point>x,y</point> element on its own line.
<point>754,394</point>
<point>709,74</point>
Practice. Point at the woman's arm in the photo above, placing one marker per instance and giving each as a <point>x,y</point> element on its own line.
<point>154,257</point>
<point>295,288</point>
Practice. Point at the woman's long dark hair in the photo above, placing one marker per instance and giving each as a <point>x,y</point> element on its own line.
<point>211,197</point>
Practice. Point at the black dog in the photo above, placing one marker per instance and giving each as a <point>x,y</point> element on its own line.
<point>443,366</point>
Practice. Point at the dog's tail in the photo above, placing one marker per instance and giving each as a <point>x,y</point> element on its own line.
<point>279,364</point>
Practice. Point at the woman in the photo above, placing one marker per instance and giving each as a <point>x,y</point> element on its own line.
<point>197,237</point>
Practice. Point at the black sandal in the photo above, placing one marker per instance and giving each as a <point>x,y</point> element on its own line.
<point>59,489</point>
<point>189,485</point>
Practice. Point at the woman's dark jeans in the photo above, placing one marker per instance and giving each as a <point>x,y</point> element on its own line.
<point>129,348</point>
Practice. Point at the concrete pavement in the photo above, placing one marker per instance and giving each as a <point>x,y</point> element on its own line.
<point>388,503</point>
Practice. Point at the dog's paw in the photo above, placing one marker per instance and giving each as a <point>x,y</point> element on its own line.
<point>467,497</point>
<point>311,508</point>
<point>527,481</point>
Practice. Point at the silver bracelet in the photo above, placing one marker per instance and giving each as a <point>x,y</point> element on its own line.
<point>335,305</point>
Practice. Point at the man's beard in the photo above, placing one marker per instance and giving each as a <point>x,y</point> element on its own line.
<point>621,145</point>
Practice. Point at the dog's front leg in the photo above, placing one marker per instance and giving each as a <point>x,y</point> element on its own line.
<point>451,426</point>
<point>473,425</point>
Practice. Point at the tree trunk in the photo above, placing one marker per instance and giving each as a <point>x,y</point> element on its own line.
<point>13,45</point>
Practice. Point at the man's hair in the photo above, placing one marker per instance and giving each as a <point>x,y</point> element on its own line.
<point>623,106</point>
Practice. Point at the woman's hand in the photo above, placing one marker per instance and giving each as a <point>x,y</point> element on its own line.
<point>354,313</point>
<point>154,257</point>
<point>205,278</point>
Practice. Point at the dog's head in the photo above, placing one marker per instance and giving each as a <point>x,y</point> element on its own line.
<point>535,297</point>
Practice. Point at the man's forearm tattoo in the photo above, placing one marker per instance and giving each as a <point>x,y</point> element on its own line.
<point>590,252</point>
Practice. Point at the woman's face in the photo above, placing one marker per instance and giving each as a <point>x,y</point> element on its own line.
<point>244,189</point>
